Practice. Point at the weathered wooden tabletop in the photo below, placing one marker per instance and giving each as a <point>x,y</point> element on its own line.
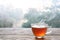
<point>26,34</point>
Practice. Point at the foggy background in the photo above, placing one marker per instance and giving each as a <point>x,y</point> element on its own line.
<point>22,13</point>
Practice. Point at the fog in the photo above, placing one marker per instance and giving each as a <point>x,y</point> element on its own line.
<point>15,10</point>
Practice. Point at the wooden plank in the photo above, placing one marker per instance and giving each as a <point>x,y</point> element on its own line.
<point>25,31</point>
<point>26,34</point>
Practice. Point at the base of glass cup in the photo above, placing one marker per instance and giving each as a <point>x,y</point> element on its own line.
<point>40,37</point>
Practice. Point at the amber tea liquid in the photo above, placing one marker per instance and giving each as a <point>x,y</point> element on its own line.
<point>39,31</point>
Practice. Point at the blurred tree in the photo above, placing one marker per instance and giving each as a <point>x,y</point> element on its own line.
<point>5,23</point>
<point>55,22</point>
<point>32,16</point>
<point>51,18</point>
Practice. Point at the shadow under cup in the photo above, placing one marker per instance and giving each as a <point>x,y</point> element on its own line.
<point>39,31</point>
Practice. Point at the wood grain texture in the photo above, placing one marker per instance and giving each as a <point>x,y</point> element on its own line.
<point>26,34</point>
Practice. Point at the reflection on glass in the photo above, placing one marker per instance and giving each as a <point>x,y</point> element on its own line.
<point>42,38</point>
<point>39,38</point>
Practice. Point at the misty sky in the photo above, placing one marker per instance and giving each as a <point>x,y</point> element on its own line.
<point>17,8</point>
<point>25,4</point>
<point>9,6</point>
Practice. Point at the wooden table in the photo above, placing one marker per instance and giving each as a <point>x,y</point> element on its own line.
<point>26,34</point>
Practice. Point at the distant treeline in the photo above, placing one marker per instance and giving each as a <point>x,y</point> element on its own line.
<point>52,17</point>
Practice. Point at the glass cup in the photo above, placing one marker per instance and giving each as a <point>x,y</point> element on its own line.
<point>39,30</point>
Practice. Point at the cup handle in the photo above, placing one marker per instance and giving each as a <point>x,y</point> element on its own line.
<point>48,32</point>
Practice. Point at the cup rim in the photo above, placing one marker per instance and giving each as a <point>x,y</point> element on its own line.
<point>39,25</point>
